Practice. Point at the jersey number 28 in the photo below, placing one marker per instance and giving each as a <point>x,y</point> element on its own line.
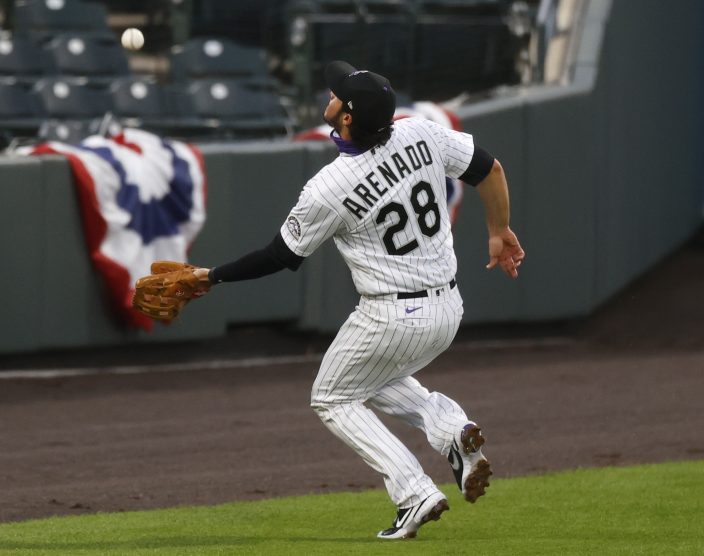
<point>422,210</point>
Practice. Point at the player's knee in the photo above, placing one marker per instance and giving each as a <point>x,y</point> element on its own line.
<point>318,406</point>
<point>319,397</point>
<point>325,411</point>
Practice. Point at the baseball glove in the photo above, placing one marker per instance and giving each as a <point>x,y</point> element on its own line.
<point>171,285</point>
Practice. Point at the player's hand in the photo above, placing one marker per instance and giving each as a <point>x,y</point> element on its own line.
<point>505,251</point>
<point>204,287</point>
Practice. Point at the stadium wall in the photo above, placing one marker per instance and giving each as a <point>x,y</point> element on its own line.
<point>605,176</point>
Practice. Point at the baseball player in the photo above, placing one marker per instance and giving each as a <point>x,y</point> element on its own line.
<point>383,201</point>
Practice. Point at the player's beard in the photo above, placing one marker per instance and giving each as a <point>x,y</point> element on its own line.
<point>335,121</point>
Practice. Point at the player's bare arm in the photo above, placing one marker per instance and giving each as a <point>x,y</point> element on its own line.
<point>504,248</point>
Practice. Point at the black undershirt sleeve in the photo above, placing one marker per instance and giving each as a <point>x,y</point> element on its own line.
<point>479,168</point>
<point>274,257</point>
<point>280,251</point>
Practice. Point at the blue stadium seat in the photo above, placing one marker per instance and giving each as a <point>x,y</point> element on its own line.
<point>66,99</point>
<point>22,61</point>
<point>137,98</point>
<point>216,57</point>
<point>21,113</point>
<point>43,19</point>
<point>237,110</point>
<point>164,110</point>
<point>94,59</point>
<point>68,131</point>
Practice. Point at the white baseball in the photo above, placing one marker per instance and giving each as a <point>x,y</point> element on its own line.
<point>132,39</point>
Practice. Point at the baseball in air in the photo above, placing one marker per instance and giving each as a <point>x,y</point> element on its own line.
<point>132,39</point>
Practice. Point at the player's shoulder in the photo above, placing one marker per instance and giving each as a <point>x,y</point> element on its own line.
<point>407,122</point>
<point>325,175</point>
<point>417,126</point>
<point>328,179</point>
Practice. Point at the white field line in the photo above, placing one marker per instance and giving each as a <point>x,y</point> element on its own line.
<point>161,368</point>
<point>255,361</point>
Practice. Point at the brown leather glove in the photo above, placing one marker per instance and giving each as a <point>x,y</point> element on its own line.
<point>171,285</point>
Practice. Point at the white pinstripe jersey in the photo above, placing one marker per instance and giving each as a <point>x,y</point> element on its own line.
<point>386,209</point>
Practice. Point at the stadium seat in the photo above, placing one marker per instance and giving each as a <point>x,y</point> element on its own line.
<point>94,59</point>
<point>238,111</point>
<point>69,131</point>
<point>66,99</point>
<point>138,102</point>
<point>22,61</point>
<point>215,57</point>
<point>137,98</point>
<point>42,19</point>
<point>21,113</point>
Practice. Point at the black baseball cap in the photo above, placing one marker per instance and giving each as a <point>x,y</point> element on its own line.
<point>366,95</point>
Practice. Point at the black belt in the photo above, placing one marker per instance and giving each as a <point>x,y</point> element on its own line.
<point>422,293</point>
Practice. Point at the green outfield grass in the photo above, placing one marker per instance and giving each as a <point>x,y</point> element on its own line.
<point>650,509</point>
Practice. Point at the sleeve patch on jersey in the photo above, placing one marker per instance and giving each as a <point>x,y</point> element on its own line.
<point>294,227</point>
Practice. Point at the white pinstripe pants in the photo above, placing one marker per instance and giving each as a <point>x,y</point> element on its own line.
<point>372,358</point>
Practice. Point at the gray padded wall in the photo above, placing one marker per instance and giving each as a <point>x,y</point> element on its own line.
<point>648,98</point>
<point>500,131</point>
<point>21,234</point>
<point>552,188</point>
<point>76,310</point>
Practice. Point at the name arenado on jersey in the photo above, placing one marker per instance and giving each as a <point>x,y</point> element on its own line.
<point>417,156</point>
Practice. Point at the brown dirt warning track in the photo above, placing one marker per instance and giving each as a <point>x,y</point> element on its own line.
<point>625,386</point>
